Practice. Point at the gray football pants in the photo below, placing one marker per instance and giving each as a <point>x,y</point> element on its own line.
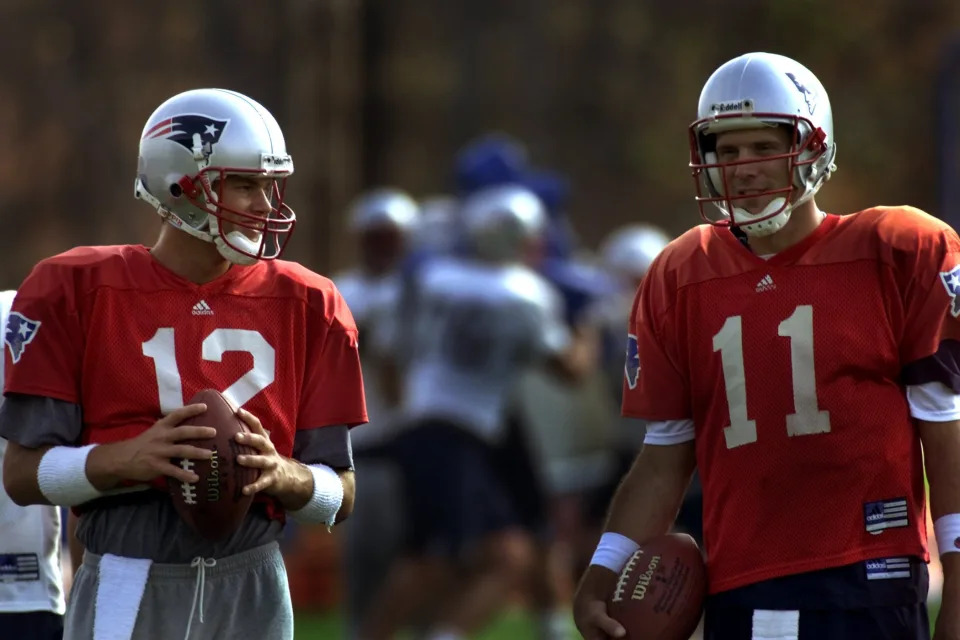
<point>243,597</point>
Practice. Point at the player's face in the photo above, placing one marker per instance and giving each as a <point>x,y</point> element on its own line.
<point>752,172</point>
<point>250,195</point>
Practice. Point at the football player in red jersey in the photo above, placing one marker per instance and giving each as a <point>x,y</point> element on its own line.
<point>799,360</point>
<point>106,344</point>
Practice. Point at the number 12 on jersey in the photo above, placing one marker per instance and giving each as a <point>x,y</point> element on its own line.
<point>807,418</point>
<point>161,348</point>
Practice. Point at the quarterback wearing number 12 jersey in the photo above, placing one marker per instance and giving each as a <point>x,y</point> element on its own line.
<point>794,367</point>
<point>112,330</point>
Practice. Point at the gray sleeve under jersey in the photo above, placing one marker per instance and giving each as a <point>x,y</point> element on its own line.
<point>38,421</point>
<point>325,445</point>
<point>145,525</point>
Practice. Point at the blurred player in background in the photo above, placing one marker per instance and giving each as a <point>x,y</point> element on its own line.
<point>106,344</point>
<point>799,359</point>
<point>436,230</point>
<point>32,600</point>
<point>479,318</point>
<point>498,159</point>
<point>626,254</point>
<point>566,423</point>
<point>381,222</point>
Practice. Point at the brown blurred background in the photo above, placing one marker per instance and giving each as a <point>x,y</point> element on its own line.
<point>386,91</point>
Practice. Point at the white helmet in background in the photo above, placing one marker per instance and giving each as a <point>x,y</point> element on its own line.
<point>383,207</point>
<point>382,220</point>
<point>753,91</point>
<point>190,144</point>
<point>501,222</point>
<point>628,252</point>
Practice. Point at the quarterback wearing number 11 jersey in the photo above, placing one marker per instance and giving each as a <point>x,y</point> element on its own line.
<point>794,366</point>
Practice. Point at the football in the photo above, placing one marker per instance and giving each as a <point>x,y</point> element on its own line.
<point>661,590</point>
<point>215,505</point>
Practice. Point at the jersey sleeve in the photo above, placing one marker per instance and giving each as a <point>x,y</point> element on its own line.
<point>333,386</point>
<point>930,277</point>
<point>654,387</point>
<point>43,337</point>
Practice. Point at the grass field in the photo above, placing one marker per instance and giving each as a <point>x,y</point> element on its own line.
<point>514,625</point>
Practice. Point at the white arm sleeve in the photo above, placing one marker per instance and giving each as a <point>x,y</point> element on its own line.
<point>933,402</point>
<point>664,432</point>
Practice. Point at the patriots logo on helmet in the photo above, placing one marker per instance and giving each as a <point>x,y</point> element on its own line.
<point>951,282</point>
<point>20,331</point>
<point>196,133</point>
<point>632,367</point>
<point>808,96</point>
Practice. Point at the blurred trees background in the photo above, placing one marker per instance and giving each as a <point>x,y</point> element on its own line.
<point>385,92</point>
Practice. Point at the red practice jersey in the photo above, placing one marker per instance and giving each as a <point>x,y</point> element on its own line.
<point>111,329</point>
<point>790,369</point>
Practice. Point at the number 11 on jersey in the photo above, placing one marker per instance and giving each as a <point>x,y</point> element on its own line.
<point>807,418</point>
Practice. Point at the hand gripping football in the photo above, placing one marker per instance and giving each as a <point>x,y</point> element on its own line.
<point>661,590</point>
<point>215,505</point>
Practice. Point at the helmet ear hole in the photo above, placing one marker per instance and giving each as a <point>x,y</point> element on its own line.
<point>176,190</point>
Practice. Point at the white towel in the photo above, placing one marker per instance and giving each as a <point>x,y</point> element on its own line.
<point>775,625</point>
<point>120,585</point>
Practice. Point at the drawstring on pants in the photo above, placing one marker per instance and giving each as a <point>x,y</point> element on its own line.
<point>200,564</point>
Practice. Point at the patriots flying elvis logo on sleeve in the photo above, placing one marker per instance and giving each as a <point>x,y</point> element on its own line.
<point>19,332</point>
<point>632,367</point>
<point>195,132</point>
<point>951,282</point>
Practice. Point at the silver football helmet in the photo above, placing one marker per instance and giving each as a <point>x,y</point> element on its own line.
<point>753,91</point>
<point>383,207</point>
<point>500,222</point>
<point>190,144</point>
<point>628,252</point>
<point>382,221</point>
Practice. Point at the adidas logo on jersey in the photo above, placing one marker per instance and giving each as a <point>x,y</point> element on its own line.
<point>766,284</point>
<point>202,309</point>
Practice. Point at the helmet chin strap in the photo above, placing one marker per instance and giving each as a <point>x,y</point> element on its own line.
<point>774,224</point>
<point>236,239</point>
<point>764,227</point>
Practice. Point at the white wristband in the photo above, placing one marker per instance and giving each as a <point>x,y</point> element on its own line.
<point>613,551</point>
<point>947,530</point>
<point>62,476</point>
<point>326,499</point>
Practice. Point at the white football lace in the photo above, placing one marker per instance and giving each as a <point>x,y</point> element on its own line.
<point>200,564</point>
<point>625,575</point>
<point>189,491</point>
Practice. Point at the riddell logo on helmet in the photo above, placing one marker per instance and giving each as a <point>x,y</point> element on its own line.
<point>727,107</point>
<point>271,160</point>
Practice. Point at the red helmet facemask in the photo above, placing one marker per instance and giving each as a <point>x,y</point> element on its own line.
<point>710,175</point>
<point>274,228</point>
